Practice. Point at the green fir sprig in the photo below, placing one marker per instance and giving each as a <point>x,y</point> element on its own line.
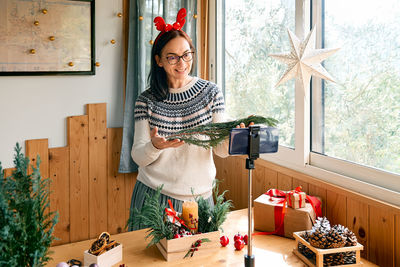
<point>212,134</point>
<point>211,218</point>
<point>26,224</point>
<point>152,216</point>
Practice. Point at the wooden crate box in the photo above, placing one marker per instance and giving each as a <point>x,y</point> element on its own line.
<point>106,259</point>
<point>174,249</point>
<point>319,253</point>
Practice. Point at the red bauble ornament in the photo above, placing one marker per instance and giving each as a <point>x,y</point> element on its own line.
<point>224,240</point>
<point>238,237</point>
<point>239,244</point>
<point>177,236</point>
<point>245,239</point>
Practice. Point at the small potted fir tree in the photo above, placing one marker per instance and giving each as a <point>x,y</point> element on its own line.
<point>26,224</point>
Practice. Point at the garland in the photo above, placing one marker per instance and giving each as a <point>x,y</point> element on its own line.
<point>212,134</point>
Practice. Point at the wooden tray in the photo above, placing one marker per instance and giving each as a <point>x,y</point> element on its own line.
<point>319,253</point>
<point>174,249</point>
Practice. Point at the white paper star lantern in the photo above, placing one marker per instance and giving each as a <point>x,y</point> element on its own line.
<point>304,60</point>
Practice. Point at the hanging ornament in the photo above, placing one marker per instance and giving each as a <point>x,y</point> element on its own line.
<point>36,23</point>
<point>44,11</point>
<point>112,41</point>
<point>119,15</point>
<point>52,38</point>
<point>32,51</point>
<point>195,16</point>
<point>71,64</point>
<point>140,17</point>
<point>151,42</point>
<point>97,64</point>
<point>304,60</point>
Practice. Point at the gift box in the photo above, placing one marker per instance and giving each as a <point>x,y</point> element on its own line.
<point>273,217</point>
<point>296,200</point>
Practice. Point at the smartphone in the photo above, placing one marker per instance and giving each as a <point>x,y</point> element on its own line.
<point>239,140</point>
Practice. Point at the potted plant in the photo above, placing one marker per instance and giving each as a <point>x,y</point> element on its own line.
<point>26,224</point>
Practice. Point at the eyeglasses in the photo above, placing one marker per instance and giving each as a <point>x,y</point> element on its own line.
<point>173,60</point>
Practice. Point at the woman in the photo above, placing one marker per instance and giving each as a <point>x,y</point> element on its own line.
<point>175,101</point>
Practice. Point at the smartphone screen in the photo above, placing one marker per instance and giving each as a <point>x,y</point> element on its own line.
<point>239,140</point>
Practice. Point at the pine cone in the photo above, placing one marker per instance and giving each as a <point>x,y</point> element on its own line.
<point>318,233</point>
<point>305,250</point>
<point>318,239</point>
<point>322,224</point>
<point>350,257</point>
<point>351,238</point>
<point>333,259</point>
<point>335,239</point>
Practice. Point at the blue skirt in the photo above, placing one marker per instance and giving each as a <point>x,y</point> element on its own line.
<point>138,197</point>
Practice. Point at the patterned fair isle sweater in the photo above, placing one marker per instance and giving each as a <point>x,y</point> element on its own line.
<point>186,167</point>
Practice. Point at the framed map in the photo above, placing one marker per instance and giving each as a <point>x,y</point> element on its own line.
<point>47,37</point>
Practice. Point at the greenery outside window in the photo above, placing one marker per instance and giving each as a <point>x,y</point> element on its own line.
<point>344,133</point>
<point>254,29</point>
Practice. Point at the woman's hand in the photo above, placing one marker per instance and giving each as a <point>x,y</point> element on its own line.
<point>244,126</point>
<point>161,143</point>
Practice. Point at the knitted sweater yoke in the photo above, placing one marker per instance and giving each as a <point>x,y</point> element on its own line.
<point>186,107</point>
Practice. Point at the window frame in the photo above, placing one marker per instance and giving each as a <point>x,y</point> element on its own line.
<point>369,181</point>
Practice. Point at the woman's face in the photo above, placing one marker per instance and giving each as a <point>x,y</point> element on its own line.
<point>175,47</point>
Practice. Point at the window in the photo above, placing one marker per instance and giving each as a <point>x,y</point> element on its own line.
<point>254,29</point>
<point>361,112</point>
<point>349,128</point>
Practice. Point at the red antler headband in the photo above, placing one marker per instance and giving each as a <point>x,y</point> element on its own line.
<point>163,28</point>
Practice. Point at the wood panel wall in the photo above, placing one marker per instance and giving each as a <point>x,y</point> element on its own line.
<point>376,224</point>
<point>86,189</point>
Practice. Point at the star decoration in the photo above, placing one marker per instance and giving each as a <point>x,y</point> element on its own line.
<point>304,60</point>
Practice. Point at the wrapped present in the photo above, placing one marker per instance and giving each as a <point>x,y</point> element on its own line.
<point>296,199</point>
<point>173,216</point>
<point>271,215</point>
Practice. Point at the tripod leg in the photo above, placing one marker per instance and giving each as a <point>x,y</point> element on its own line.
<point>249,258</point>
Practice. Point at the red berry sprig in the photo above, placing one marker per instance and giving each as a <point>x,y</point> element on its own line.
<point>195,247</point>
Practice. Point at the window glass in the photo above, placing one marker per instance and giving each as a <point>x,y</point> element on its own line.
<point>361,112</point>
<point>253,30</point>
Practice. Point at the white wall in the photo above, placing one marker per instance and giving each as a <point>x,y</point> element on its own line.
<point>33,107</point>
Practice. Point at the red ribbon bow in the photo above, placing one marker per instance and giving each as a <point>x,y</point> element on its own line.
<point>171,212</point>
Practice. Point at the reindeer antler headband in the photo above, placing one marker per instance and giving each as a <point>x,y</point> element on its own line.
<point>163,28</point>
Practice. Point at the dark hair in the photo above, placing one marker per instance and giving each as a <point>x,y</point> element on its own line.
<point>158,77</point>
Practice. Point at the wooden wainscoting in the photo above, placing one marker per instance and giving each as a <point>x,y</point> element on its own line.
<point>376,224</point>
<point>86,189</point>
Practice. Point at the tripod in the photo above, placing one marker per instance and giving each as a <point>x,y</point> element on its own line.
<point>253,154</point>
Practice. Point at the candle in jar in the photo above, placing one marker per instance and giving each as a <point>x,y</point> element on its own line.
<point>190,214</point>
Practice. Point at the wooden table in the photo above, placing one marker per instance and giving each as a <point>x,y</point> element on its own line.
<point>268,250</point>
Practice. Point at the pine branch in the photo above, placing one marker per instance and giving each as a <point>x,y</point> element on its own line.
<point>152,216</point>
<point>211,219</point>
<point>210,135</point>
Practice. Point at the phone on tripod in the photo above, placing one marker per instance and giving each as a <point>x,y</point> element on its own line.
<point>239,140</point>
